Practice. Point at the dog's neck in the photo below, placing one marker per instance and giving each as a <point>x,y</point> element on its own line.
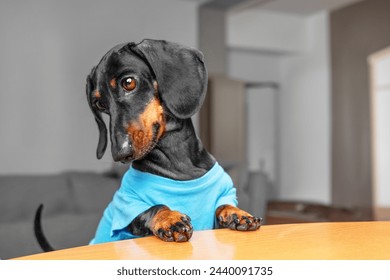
<point>178,155</point>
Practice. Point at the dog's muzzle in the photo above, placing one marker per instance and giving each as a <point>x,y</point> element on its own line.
<point>123,153</point>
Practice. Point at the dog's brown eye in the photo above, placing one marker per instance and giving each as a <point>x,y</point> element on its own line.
<point>129,84</point>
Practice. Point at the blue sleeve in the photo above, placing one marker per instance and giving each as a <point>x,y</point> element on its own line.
<point>229,196</point>
<point>227,190</point>
<point>103,232</point>
<point>123,209</point>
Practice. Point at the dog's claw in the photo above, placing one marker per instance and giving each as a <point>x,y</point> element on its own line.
<point>166,236</point>
<point>237,219</point>
<point>174,227</point>
<point>186,219</point>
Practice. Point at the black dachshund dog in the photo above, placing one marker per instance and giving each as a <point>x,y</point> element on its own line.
<point>174,186</point>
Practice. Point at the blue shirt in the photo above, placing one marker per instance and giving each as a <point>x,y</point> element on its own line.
<point>198,198</point>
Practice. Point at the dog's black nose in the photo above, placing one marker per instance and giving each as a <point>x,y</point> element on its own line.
<point>123,158</point>
<point>127,159</point>
<point>124,153</point>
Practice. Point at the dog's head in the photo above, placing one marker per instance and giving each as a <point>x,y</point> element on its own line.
<point>137,85</point>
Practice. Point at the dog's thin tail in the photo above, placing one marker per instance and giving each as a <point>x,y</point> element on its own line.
<point>39,235</point>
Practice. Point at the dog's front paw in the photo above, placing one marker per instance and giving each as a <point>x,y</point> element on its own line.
<point>234,218</point>
<point>171,226</point>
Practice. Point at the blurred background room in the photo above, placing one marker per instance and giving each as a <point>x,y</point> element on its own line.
<point>297,109</point>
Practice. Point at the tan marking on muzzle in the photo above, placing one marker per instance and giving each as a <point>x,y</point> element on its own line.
<point>97,94</point>
<point>141,132</point>
<point>113,83</point>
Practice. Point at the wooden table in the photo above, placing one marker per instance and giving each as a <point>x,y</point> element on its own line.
<point>321,241</point>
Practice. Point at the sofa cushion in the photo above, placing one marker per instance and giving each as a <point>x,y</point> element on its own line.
<point>21,195</point>
<point>92,192</point>
<point>63,231</point>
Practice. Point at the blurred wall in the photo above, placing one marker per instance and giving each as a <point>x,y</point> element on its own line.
<point>357,32</point>
<point>305,115</point>
<point>293,51</point>
<point>47,49</point>
<point>262,107</point>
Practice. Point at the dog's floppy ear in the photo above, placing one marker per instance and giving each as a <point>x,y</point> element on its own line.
<point>180,73</point>
<point>102,144</point>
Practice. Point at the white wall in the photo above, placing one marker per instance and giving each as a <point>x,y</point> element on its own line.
<point>253,66</point>
<point>47,49</point>
<point>293,51</point>
<point>265,30</point>
<point>305,117</point>
<point>256,66</point>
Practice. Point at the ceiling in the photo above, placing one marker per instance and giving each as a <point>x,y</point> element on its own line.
<point>300,7</point>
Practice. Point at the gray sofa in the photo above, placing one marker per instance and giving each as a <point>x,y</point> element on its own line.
<point>73,205</point>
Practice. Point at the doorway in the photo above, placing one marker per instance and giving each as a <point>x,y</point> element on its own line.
<point>379,64</point>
